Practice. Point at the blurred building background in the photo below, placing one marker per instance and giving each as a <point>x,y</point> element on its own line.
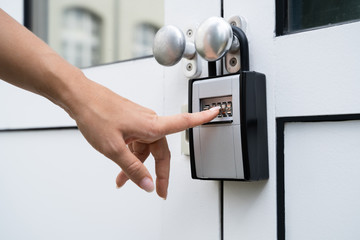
<point>92,32</point>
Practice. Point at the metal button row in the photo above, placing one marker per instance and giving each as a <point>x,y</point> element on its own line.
<point>225,108</point>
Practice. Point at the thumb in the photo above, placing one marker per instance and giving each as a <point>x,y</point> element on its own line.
<point>135,170</point>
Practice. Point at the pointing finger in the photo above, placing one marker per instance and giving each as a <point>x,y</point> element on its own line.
<point>183,121</point>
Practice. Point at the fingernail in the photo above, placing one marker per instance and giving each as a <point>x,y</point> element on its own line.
<point>165,197</point>
<point>215,108</point>
<point>147,184</point>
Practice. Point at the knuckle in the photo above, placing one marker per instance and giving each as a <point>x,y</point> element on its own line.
<point>187,118</point>
<point>113,149</point>
<point>163,155</point>
<point>155,128</point>
<point>168,154</point>
<point>133,168</point>
<point>152,112</point>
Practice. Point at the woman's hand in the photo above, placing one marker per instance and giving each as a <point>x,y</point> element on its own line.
<point>127,133</point>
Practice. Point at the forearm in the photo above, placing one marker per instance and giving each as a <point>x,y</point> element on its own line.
<point>27,62</point>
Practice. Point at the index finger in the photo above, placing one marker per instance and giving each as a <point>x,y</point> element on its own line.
<point>183,121</point>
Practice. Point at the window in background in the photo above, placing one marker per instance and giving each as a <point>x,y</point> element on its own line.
<point>143,39</point>
<point>81,37</point>
<point>93,32</point>
<point>299,15</point>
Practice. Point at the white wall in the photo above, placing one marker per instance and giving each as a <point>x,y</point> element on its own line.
<point>14,8</point>
<point>54,185</point>
<point>73,204</point>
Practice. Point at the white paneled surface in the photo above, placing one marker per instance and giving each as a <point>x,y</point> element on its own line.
<point>21,109</point>
<point>53,185</point>
<point>317,72</point>
<point>192,210</point>
<point>250,208</point>
<point>322,187</point>
<point>14,8</point>
<point>141,81</point>
<point>310,73</point>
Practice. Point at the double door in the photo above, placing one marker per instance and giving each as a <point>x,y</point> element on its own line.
<point>53,185</point>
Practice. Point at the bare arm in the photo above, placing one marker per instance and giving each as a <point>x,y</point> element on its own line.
<point>120,129</point>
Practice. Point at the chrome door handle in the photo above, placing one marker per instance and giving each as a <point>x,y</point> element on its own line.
<point>170,46</point>
<point>213,38</point>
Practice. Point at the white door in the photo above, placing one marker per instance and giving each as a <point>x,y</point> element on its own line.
<point>53,185</point>
<point>312,92</point>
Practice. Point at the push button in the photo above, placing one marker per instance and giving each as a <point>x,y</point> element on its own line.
<point>219,105</point>
<point>229,109</point>
<point>225,105</point>
<point>223,109</point>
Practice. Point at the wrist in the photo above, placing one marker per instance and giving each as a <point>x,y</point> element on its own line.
<point>64,84</point>
<point>76,94</point>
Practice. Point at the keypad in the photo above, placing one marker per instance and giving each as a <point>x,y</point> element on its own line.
<point>225,104</point>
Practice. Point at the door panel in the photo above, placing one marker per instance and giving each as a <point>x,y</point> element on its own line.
<point>318,71</point>
<point>193,206</point>
<point>309,73</point>
<point>69,187</point>
<point>53,185</point>
<point>322,189</point>
<point>250,208</point>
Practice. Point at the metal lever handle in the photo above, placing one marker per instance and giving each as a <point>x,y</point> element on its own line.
<point>170,46</point>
